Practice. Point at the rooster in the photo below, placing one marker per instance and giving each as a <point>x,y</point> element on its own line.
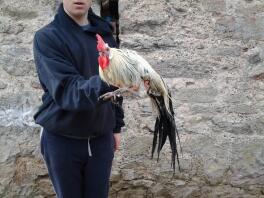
<point>127,70</point>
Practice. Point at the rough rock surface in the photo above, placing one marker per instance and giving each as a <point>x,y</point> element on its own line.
<point>210,53</point>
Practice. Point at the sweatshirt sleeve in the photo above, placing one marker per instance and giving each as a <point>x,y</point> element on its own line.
<point>58,75</point>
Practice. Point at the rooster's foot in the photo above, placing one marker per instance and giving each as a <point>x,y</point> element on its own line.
<point>113,95</point>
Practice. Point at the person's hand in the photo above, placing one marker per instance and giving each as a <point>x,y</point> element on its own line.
<point>146,84</point>
<point>117,138</point>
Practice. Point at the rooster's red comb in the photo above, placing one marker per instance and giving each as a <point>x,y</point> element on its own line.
<point>100,43</point>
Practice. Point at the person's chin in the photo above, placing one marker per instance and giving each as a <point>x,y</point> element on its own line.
<point>79,13</point>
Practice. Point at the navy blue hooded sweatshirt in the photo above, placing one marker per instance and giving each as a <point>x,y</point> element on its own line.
<point>67,65</point>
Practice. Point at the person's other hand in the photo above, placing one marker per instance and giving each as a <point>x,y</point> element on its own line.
<point>146,84</point>
<point>117,137</point>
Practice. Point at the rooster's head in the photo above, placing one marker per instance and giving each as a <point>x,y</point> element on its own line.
<point>104,51</point>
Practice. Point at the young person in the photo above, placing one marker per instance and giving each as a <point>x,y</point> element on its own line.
<point>80,133</point>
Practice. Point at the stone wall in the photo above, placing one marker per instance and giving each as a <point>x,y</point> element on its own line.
<point>210,53</point>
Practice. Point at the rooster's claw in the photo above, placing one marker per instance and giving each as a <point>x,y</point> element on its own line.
<point>113,95</point>
<point>109,96</point>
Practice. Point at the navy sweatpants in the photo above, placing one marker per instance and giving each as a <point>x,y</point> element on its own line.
<point>75,174</point>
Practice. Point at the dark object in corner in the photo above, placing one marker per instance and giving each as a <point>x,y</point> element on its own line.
<point>109,11</point>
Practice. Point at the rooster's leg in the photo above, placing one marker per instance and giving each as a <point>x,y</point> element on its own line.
<point>117,93</point>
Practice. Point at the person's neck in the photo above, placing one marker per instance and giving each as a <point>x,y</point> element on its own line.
<point>82,20</point>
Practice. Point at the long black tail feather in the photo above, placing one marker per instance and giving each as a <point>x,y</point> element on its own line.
<point>156,131</point>
<point>175,128</point>
<point>165,127</point>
